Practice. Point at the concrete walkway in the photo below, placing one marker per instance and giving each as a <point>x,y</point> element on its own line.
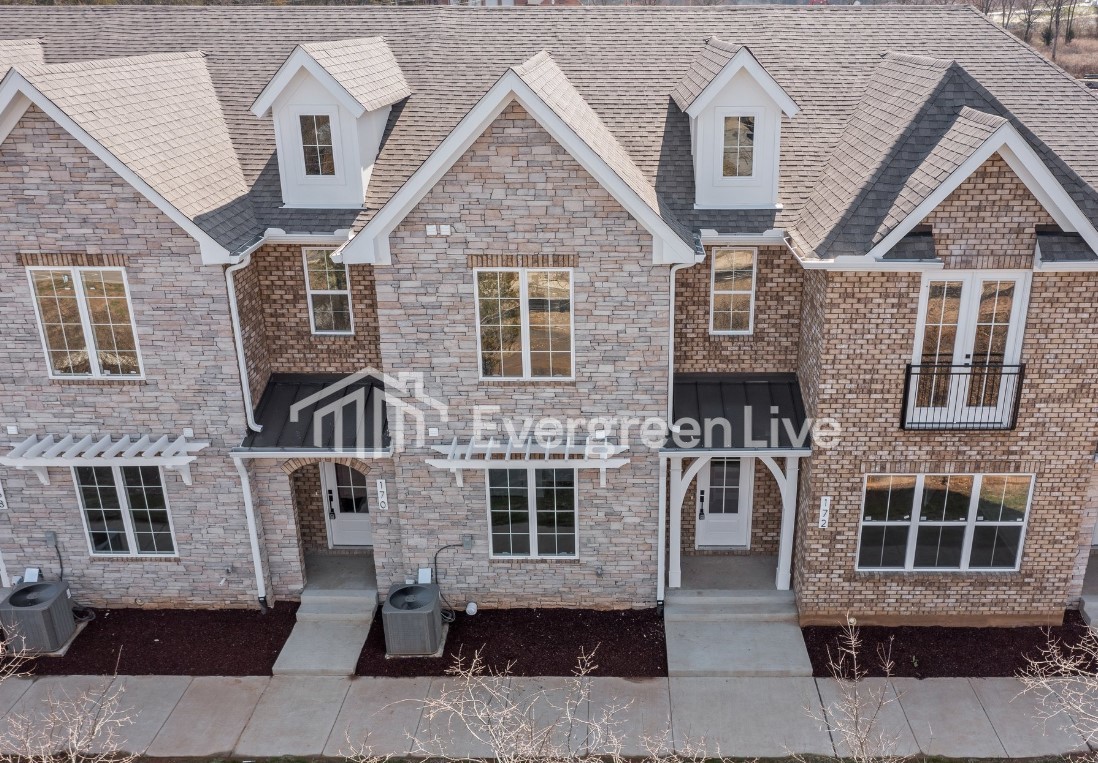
<point>742,716</point>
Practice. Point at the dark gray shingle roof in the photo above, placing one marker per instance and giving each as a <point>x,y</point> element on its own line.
<point>624,63</point>
<point>1058,246</point>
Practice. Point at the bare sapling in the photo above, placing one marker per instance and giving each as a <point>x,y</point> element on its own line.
<point>1063,679</point>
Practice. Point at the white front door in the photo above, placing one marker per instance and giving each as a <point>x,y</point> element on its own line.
<point>724,503</point>
<point>345,492</point>
<point>970,327</point>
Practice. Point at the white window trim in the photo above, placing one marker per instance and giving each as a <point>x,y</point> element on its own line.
<point>127,517</point>
<point>713,289</point>
<point>326,110</point>
<point>85,322</point>
<point>309,291</point>
<point>970,278</point>
<point>970,524</point>
<point>531,507</point>
<point>524,310</point>
<point>719,177</point>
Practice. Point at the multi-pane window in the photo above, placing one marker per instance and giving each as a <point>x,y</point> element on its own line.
<point>732,302</point>
<point>739,147</point>
<point>724,486</point>
<point>525,323</point>
<point>329,293</point>
<point>944,521</point>
<point>125,510</point>
<point>532,512</point>
<point>316,142</point>
<point>352,490</point>
<point>86,321</point>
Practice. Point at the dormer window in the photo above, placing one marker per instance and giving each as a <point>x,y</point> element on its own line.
<point>330,103</point>
<point>735,109</point>
<point>316,144</point>
<point>739,146</point>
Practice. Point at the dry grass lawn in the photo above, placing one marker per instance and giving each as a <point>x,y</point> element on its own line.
<point>1078,57</point>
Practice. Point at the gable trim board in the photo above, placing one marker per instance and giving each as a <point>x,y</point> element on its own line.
<point>371,245</point>
<point>1026,164</point>
<point>17,95</point>
<point>298,60</point>
<point>743,60</point>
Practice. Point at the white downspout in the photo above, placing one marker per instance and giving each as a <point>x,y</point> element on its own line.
<point>253,531</point>
<point>238,336</point>
<point>661,548</point>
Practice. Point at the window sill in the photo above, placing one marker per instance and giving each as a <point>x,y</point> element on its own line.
<point>534,559</point>
<point>547,383</point>
<point>132,559</point>
<point>99,381</point>
<point>933,574</point>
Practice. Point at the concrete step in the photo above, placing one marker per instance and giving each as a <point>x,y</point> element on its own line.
<point>706,612</point>
<point>689,594</point>
<point>336,595</point>
<point>353,610</point>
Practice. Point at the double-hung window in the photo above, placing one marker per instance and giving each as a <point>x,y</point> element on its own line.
<point>316,144</point>
<point>125,510</point>
<point>738,146</point>
<point>86,322</point>
<point>944,521</point>
<point>329,292</point>
<point>732,287</point>
<point>532,512</point>
<point>524,322</point>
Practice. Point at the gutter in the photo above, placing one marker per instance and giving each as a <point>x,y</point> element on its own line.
<point>253,532</point>
<point>239,263</point>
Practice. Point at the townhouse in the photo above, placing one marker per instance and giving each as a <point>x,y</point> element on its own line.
<point>562,303</point>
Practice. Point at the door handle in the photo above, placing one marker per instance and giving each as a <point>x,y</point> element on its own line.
<point>331,504</point>
<point>701,504</point>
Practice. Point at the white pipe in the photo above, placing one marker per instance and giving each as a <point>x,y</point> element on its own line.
<point>253,531</point>
<point>238,336</point>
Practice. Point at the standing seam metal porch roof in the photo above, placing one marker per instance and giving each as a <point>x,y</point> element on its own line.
<point>733,398</point>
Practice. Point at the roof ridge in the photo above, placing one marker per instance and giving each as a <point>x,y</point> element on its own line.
<point>541,57</point>
<point>319,44</point>
<point>108,63</point>
<point>981,117</point>
<point>919,60</point>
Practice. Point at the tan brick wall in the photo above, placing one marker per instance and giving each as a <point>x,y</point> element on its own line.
<point>309,508</point>
<point>517,192</point>
<point>865,335</point>
<point>279,282</point>
<point>253,329</point>
<point>988,222</point>
<point>59,203</point>
<point>770,348</point>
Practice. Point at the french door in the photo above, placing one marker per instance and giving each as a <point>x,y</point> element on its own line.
<point>345,492</point>
<point>724,503</point>
<point>967,349</point>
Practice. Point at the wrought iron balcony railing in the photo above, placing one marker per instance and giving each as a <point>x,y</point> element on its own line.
<point>975,396</point>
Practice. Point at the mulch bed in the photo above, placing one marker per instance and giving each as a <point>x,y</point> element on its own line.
<point>940,652</point>
<point>176,642</point>
<point>539,642</point>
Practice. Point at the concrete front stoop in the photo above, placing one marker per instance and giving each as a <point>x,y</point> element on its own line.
<point>334,619</point>
<point>728,634</point>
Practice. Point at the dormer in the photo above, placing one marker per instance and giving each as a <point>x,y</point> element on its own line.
<point>735,109</point>
<point>330,102</point>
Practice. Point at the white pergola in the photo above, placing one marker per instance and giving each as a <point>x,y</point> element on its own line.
<point>675,489</point>
<point>586,453</point>
<point>37,453</point>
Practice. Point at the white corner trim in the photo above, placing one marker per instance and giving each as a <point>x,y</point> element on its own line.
<point>371,245</point>
<point>297,61</point>
<point>744,61</point>
<point>1024,161</point>
<point>15,86</point>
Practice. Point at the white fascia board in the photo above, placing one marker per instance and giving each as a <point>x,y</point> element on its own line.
<point>15,86</point>
<point>371,245</point>
<point>860,264</point>
<point>297,61</point>
<point>1024,161</point>
<point>745,61</point>
<point>772,237</point>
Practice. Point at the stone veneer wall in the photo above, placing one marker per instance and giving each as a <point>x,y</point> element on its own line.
<point>859,331</point>
<point>772,346</point>
<point>517,193</point>
<point>60,204</point>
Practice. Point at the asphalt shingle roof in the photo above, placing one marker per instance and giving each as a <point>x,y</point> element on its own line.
<point>14,52</point>
<point>159,114</point>
<point>365,68</point>
<point>1057,246</point>
<point>710,62</point>
<point>625,63</point>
